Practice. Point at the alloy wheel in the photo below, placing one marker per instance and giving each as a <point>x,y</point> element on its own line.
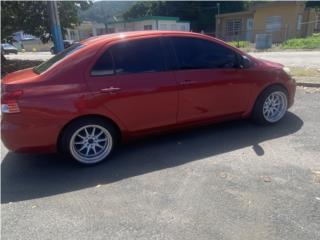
<point>275,106</point>
<point>91,144</point>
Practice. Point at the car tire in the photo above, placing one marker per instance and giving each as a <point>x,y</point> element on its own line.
<point>89,140</point>
<point>270,106</point>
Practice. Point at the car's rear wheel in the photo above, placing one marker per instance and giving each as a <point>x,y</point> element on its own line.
<point>89,141</point>
<point>271,105</point>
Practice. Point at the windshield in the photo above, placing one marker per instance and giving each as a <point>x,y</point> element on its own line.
<point>47,64</point>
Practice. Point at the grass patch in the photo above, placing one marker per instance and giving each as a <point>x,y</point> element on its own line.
<point>304,72</point>
<point>311,42</point>
<point>239,44</point>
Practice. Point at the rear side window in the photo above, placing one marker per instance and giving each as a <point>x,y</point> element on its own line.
<point>47,64</point>
<point>138,56</point>
<point>194,53</point>
<point>104,65</point>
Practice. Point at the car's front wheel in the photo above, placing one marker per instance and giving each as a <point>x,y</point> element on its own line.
<point>271,105</point>
<point>89,141</point>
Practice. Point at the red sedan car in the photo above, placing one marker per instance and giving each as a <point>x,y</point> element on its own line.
<point>109,88</point>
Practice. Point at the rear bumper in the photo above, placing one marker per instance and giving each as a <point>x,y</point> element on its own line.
<point>27,138</point>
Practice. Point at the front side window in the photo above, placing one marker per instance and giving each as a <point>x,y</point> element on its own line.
<point>193,53</point>
<point>138,56</point>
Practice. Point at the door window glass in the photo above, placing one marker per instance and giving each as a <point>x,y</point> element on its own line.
<point>138,56</point>
<point>194,53</point>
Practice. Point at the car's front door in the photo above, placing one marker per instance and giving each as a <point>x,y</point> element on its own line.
<point>137,88</point>
<point>211,82</point>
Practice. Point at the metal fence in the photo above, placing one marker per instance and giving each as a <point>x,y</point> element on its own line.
<point>278,36</point>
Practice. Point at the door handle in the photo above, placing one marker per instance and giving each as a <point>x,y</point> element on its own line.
<point>187,82</point>
<point>110,90</point>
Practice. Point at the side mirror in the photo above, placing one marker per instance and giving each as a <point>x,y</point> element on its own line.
<point>245,62</point>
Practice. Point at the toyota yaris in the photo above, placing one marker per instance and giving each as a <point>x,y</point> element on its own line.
<point>86,99</point>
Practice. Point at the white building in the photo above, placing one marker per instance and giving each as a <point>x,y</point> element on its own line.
<point>21,36</point>
<point>149,23</point>
<point>85,30</point>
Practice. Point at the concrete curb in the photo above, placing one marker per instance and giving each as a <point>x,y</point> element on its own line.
<point>304,84</point>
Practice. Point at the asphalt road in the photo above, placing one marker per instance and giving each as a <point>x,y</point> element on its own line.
<point>288,58</point>
<point>227,181</point>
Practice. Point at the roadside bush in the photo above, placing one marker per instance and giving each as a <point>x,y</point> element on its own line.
<point>239,44</point>
<point>306,43</point>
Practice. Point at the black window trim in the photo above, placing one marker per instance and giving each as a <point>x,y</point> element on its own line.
<point>169,48</point>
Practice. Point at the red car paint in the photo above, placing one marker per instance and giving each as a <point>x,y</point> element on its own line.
<point>172,99</point>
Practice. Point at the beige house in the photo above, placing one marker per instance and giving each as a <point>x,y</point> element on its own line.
<point>282,20</point>
<point>149,23</point>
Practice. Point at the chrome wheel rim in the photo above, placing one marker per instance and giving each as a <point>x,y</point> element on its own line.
<point>275,106</point>
<point>91,144</point>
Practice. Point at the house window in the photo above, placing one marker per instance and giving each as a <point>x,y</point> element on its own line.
<point>273,23</point>
<point>299,21</point>
<point>233,27</point>
<point>147,27</point>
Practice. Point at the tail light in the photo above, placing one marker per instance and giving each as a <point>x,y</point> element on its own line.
<point>9,103</point>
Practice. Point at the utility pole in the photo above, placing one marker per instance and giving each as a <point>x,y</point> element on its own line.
<point>55,26</point>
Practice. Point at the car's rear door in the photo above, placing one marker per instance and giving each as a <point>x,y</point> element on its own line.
<point>211,82</point>
<point>138,88</point>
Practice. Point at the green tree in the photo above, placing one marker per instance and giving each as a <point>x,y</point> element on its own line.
<point>313,4</point>
<point>200,13</point>
<point>32,17</point>
<point>105,11</point>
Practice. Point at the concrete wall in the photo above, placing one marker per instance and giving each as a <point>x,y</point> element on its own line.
<point>36,45</point>
<point>85,30</point>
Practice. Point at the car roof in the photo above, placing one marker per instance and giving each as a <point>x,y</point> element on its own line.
<point>117,36</point>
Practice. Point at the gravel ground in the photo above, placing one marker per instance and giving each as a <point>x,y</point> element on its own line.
<point>308,59</point>
<point>226,181</point>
